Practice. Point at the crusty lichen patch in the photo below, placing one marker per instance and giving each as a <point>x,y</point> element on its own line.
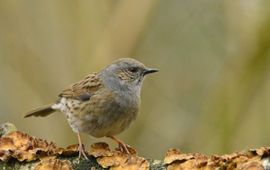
<point>18,147</point>
<point>23,147</point>
<point>6,128</point>
<point>54,164</point>
<point>252,159</point>
<point>117,160</point>
<point>20,151</point>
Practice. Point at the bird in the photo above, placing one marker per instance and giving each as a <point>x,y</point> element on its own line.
<point>103,104</point>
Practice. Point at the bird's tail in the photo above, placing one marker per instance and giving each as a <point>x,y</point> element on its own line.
<point>41,111</point>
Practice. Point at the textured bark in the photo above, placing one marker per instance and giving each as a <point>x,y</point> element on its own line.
<point>75,164</point>
<point>19,150</point>
<point>154,165</point>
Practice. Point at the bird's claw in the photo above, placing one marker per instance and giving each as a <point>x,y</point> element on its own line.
<point>82,152</point>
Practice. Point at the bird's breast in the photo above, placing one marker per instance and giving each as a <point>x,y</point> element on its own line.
<point>106,113</point>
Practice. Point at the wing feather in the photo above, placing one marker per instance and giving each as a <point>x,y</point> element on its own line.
<point>83,89</point>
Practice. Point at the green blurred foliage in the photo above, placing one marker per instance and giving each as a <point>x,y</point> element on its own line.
<point>211,95</point>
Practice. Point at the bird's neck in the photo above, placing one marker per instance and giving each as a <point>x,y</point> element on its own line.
<point>113,83</point>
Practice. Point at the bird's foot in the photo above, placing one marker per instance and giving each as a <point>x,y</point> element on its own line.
<point>81,148</point>
<point>122,147</point>
<point>82,152</point>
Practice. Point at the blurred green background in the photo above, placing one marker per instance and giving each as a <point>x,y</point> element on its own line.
<point>212,94</point>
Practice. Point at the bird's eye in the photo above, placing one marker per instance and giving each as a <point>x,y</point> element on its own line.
<point>133,69</point>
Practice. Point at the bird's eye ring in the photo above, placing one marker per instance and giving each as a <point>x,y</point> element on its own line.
<point>133,69</point>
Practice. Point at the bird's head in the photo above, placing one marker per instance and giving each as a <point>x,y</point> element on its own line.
<point>127,73</point>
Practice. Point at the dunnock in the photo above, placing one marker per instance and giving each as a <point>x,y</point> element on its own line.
<point>103,103</point>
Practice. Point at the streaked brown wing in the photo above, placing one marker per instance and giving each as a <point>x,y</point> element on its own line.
<point>83,89</point>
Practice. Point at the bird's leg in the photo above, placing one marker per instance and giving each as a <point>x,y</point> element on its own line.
<point>122,146</point>
<point>81,148</point>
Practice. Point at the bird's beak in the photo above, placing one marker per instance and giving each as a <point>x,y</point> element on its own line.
<point>149,70</point>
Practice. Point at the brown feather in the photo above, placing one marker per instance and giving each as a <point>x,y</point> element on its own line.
<point>88,85</point>
<point>41,111</point>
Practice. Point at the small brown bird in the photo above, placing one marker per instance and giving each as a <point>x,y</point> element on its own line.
<point>103,104</point>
